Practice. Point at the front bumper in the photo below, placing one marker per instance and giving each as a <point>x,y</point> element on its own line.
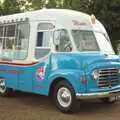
<point>98,95</point>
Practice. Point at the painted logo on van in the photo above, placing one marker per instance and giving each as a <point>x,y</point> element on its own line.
<point>41,73</point>
<point>78,23</point>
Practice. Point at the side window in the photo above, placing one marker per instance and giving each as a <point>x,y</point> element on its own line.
<point>62,41</point>
<point>43,38</point>
<point>14,40</point>
<point>39,39</point>
<point>22,36</point>
<point>1,37</point>
<point>9,36</point>
<point>44,34</point>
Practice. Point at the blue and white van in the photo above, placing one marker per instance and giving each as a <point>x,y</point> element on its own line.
<point>62,53</point>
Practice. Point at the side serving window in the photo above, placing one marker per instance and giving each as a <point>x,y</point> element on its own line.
<point>14,40</point>
<point>62,41</point>
<point>44,34</point>
<point>43,39</point>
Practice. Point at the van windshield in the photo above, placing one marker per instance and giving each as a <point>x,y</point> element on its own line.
<point>85,40</point>
<point>104,43</point>
<point>91,41</point>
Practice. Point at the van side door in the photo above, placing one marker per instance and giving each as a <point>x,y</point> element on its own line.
<point>42,54</point>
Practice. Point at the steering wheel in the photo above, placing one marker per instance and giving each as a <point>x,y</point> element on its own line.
<point>67,47</point>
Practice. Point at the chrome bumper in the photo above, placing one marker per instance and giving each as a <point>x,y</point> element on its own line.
<point>97,95</point>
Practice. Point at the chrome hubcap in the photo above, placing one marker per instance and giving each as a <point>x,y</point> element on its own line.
<point>2,85</point>
<point>64,97</point>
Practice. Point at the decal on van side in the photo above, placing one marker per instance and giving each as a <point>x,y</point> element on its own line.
<point>41,73</point>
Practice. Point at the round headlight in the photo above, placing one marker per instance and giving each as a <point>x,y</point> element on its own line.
<point>95,75</point>
<point>119,71</point>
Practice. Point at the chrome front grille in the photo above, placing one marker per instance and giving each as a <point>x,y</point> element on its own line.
<point>108,77</point>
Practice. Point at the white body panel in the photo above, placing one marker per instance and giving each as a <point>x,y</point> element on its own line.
<point>61,18</point>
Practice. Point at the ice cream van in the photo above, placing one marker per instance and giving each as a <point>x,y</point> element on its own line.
<point>60,53</point>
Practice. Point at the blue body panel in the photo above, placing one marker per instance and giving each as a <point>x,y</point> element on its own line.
<point>70,66</point>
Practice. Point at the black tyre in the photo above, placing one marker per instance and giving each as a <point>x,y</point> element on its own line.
<point>110,100</point>
<point>65,98</point>
<point>3,90</point>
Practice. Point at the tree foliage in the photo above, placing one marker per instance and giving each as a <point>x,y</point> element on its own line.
<point>9,7</point>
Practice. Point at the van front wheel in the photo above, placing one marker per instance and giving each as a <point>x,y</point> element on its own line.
<point>64,97</point>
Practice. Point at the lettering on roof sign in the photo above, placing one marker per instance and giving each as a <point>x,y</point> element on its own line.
<point>78,23</point>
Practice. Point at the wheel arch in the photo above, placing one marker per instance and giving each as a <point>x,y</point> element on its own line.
<point>55,82</point>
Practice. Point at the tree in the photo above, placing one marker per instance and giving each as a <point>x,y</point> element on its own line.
<point>1,8</point>
<point>51,4</point>
<point>37,4</point>
<point>10,7</point>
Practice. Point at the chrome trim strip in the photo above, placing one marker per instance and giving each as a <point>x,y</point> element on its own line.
<point>97,95</point>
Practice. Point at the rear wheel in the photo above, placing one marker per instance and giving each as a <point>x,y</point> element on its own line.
<point>110,100</point>
<point>3,90</point>
<point>65,98</point>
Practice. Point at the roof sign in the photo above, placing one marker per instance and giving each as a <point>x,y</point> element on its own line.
<point>93,19</point>
<point>78,23</point>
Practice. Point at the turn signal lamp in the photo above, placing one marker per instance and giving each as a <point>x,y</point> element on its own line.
<point>84,80</point>
<point>119,71</point>
<point>93,19</point>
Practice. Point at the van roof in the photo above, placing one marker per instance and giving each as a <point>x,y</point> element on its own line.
<point>46,14</point>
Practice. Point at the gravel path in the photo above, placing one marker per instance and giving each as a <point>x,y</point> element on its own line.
<point>24,106</point>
